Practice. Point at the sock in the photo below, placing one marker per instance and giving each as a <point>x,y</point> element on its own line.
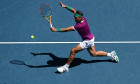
<point>109,55</point>
<point>67,65</point>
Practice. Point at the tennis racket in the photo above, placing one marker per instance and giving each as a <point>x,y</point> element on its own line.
<point>46,12</point>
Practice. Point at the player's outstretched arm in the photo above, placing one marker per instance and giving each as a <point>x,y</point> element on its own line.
<point>62,29</point>
<point>67,7</point>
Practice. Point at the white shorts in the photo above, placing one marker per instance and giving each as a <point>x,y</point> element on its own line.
<point>87,43</point>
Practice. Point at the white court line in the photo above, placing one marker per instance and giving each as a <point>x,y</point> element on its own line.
<point>66,42</point>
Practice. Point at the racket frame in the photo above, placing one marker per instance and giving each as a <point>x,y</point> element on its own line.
<point>47,18</point>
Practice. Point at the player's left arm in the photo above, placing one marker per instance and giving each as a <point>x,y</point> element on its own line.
<point>62,29</point>
<point>67,7</point>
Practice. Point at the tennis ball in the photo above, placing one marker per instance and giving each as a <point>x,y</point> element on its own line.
<point>32,37</point>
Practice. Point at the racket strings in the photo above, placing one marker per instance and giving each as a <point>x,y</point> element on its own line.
<point>46,11</point>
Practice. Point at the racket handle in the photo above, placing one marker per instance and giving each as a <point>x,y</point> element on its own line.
<point>51,25</point>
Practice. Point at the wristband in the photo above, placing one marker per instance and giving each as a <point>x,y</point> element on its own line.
<point>59,30</point>
<point>69,8</point>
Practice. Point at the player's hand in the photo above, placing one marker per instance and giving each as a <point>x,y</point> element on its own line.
<point>62,4</point>
<point>53,29</point>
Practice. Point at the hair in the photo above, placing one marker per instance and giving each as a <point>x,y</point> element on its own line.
<point>79,12</point>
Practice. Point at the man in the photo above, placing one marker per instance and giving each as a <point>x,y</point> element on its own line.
<point>88,39</point>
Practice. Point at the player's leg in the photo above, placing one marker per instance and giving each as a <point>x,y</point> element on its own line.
<point>75,50</point>
<point>93,52</point>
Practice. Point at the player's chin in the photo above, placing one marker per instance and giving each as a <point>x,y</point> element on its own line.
<point>76,21</point>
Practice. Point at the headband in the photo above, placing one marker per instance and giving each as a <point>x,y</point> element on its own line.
<point>77,15</point>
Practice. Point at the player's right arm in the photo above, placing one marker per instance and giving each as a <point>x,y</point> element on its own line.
<point>62,29</point>
<point>67,7</point>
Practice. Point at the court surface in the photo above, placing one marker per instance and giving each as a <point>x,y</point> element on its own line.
<point>109,21</point>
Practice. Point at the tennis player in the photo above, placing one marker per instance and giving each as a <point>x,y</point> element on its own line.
<point>88,39</point>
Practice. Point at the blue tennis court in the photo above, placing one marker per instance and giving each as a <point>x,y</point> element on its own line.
<point>110,20</point>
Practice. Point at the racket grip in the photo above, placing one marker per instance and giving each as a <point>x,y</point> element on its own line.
<point>51,25</point>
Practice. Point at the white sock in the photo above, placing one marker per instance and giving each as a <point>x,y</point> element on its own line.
<point>67,65</point>
<point>109,55</point>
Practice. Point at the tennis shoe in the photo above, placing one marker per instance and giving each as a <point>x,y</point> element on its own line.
<point>114,56</point>
<point>62,69</point>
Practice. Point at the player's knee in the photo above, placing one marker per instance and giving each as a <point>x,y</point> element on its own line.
<point>93,54</point>
<point>73,51</point>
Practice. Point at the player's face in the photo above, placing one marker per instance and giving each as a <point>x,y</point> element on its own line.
<point>77,19</point>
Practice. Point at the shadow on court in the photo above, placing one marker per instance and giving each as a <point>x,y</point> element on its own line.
<point>57,61</point>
